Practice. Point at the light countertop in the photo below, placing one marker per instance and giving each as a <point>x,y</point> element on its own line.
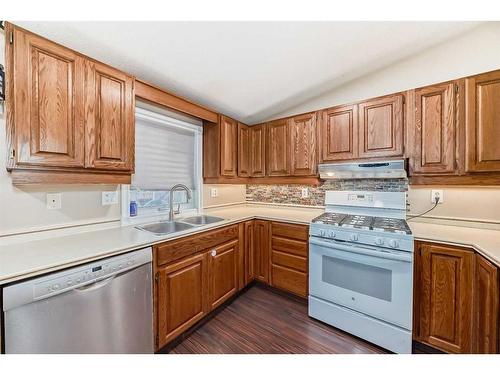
<point>27,259</point>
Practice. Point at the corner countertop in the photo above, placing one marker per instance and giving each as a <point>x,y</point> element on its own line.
<point>27,259</point>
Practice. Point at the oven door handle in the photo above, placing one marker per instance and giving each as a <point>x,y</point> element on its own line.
<point>404,257</point>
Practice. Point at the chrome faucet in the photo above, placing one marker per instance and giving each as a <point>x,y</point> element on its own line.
<point>171,212</point>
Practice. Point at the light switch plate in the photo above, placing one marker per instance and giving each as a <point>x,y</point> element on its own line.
<point>54,201</point>
<point>109,197</point>
<point>437,194</point>
<point>214,193</point>
<point>305,193</point>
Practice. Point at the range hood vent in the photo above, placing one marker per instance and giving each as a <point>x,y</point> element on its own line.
<point>353,171</point>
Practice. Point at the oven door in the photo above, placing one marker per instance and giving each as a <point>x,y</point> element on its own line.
<point>376,282</point>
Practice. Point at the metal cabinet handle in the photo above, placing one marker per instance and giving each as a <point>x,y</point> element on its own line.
<point>213,253</point>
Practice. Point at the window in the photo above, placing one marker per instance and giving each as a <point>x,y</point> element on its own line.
<point>167,152</point>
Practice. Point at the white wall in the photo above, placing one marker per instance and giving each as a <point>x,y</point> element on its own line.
<point>474,52</point>
<point>23,209</point>
<point>227,195</point>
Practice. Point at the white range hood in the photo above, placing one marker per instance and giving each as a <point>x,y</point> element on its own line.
<point>351,171</point>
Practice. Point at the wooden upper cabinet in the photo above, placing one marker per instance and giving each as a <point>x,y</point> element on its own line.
<point>109,118</point>
<point>228,147</point>
<point>303,139</point>
<point>181,296</point>
<point>338,135</point>
<point>435,129</point>
<point>223,272</point>
<point>258,150</point>
<point>445,297</point>
<point>243,150</point>
<point>278,148</point>
<point>482,106</point>
<point>486,295</point>
<point>381,127</point>
<point>48,83</point>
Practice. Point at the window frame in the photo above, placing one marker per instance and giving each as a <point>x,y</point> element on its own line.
<point>164,119</point>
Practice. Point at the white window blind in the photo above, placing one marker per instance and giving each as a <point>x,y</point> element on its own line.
<point>166,152</point>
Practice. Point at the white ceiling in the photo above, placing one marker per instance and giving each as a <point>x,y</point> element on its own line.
<point>249,70</point>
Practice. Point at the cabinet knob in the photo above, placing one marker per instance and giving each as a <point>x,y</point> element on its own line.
<point>213,253</point>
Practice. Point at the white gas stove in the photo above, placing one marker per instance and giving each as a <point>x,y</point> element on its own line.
<point>361,267</point>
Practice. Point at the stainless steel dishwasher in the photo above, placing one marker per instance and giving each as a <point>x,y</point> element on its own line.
<point>100,307</point>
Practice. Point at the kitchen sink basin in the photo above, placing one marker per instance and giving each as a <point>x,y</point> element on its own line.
<point>165,227</point>
<point>202,220</point>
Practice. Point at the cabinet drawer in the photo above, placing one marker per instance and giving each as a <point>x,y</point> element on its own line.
<point>177,249</point>
<point>294,231</point>
<point>289,280</point>
<point>290,261</point>
<point>288,246</point>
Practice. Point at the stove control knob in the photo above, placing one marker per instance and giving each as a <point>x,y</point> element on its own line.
<point>393,243</point>
<point>322,232</point>
<point>331,234</point>
<point>379,241</point>
<point>353,237</point>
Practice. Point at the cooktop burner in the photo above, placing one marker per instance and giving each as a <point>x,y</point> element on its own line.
<point>375,223</point>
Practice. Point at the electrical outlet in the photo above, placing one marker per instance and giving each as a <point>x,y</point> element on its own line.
<point>109,197</point>
<point>214,193</point>
<point>439,194</point>
<point>305,193</point>
<point>54,201</point>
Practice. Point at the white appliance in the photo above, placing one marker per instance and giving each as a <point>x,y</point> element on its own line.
<point>361,267</point>
<point>100,307</point>
<point>352,171</point>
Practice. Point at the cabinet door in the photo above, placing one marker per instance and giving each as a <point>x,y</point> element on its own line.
<point>486,296</point>
<point>303,152</point>
<point>258,150</point>
<point>434,132</point>
<point>482,106</point>
<point>48,102</point>
<point>278,148</point>
<point>249,252</point>
<point>223,272</point>
<point>229,147</point>
<point>243,150</point>
<point>445,317</point>
<point>381,127</point>
<point>339,134</point>
<point>109,118</point>
<point>182,290</point>
<point>261,250</point>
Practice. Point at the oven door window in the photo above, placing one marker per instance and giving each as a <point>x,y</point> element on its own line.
<point>361,278</point>
<point>370,283</point>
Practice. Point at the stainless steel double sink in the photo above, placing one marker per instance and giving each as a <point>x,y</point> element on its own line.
<point>163,228</point>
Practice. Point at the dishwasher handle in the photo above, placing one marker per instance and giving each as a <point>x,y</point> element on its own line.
<point>96,285</point>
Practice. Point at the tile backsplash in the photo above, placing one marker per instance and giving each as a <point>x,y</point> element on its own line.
<point>292,194</point>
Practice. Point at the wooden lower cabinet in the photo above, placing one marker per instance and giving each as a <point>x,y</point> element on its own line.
<point>248,246</point>
<point>223,273</point>
<point>261,250</point>
<point>181,296</point>
<point>456,299</point>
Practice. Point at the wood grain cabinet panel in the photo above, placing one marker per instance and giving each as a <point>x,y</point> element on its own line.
<point>486,295</point>
<point>258,150</point>
<point>445,297</point>
<point>181,296</point>
<point>249,248</point>
<point>303,151</point>
<point>229,147</point>
<point>381,127</point>
<point>261,250</point>
<point>223,272</point>
<point>482,105</point>
<point>48,83</point>
<point>243,150</point>
<point>278,148</point>
<point>109,118</point>
<point>339,134</point>
<point>434,133</point>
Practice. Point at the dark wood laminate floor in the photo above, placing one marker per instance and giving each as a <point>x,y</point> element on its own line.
<point>263,321</point>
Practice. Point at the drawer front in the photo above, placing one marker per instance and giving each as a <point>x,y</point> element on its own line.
<point>290,261</point>
<point>289,280</point>
<point>288,246</point>
<point>174,250</point>
<point>293,231</point>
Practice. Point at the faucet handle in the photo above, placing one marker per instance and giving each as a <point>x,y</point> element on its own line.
<point>178,211</point>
